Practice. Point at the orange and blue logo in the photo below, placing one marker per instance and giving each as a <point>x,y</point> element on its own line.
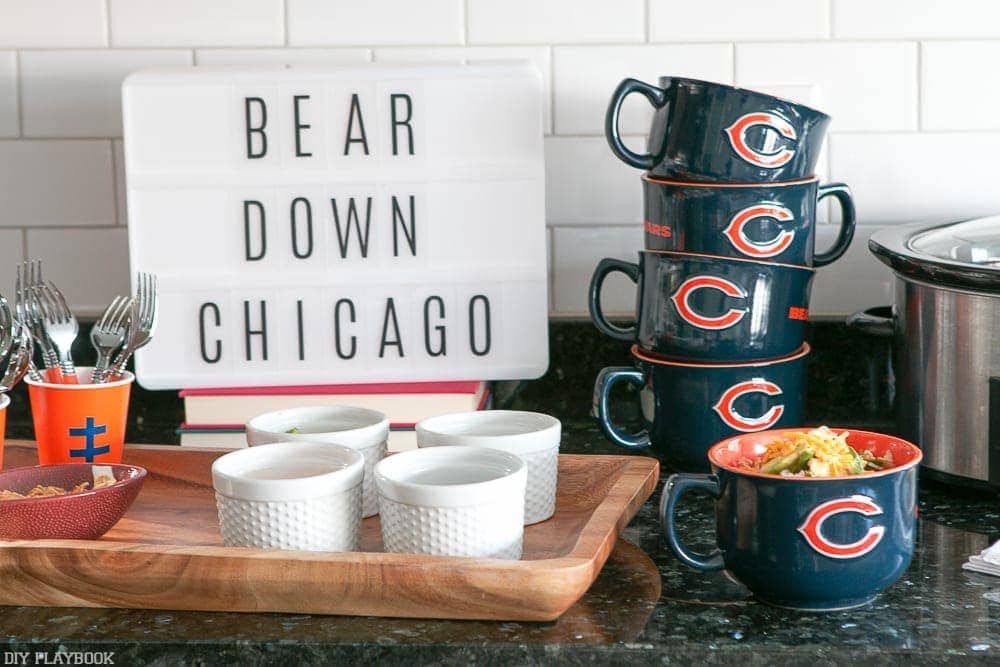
<point>812,527</point>
<point>725,407</point>
<point>737,134</point>
<point>736,234</point>
<point>682,302</point>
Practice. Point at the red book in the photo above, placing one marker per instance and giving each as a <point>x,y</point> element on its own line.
<point>233,436</point>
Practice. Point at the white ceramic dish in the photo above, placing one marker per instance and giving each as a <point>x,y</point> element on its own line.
<point>452,501</point>
<point>302,495</point>
<point>358,428</point>
<point>531,435</point>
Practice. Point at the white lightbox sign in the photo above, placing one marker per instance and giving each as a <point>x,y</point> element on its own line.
<point>339,224</point>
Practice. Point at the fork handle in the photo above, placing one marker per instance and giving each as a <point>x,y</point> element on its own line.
<point>49,357</point>
<point>33,372</point>
<point>114,369</point>
<point>68,370</point>
<point>100,367</point>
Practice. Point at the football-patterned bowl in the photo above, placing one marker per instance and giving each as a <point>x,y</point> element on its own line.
<point>74,516</point>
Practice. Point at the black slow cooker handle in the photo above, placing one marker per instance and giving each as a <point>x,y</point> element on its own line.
<point>877,321</point>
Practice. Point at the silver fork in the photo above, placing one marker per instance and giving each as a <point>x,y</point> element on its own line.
<point>19,362</point>
<point>28,312</point>
<point>142,324</point>
<point>60,324</point>
<point>7,332</point>
<point>108,334</point>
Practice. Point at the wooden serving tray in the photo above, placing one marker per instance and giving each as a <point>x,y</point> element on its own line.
<point>166,553</point>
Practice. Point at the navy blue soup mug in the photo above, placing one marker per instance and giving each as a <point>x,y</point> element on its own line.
<point>762,221</point>
<point>711,309</point>
<point>811,543</point>
<point>687,407</point>
<point>705,131</point>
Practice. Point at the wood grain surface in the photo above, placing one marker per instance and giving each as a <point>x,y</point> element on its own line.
<point>166,553</point>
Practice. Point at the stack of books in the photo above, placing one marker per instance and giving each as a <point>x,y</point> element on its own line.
<point>216,417</point>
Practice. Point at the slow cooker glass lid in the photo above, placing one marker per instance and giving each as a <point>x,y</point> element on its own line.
<point>972,242</point>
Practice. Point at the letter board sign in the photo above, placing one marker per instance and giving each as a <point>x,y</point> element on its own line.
<point>339,224</point>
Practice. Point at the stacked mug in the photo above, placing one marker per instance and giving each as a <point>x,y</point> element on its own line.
<point>724,280</point>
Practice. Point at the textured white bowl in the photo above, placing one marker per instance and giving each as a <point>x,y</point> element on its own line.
<point>452,501</point>
<point>531,435</point>
<point>358,428</point>
<point>303,495</point>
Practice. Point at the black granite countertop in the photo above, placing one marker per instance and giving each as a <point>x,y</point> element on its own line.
<point>645,607</point>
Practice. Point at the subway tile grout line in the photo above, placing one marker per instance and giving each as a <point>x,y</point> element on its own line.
<point>107,23</point>
<point>920,85</point>
<point>18,94</point>
<point>114,182</point>
<point>465,22</point>
<point>552,91</point>
<point>536,44</point>
<point>284,21</point>
<point>829,19</point>
<point>645,19</point>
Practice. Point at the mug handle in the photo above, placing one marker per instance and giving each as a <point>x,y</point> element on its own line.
<point>604,267</point>
<point>606,379</point>
<point>871,324</point>
<point>847,222</point>
<point>677,485</point>
<point>656,96</point>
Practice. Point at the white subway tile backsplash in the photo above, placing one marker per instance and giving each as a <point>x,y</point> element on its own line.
<point>50,183</point>
<point>586,184</point>
<point>910,177</point>
<point>99,255</point>
<point>52,23</point>
<point>867,19</point>
<point>953,93</point>
<point>867,85</point>
<point>78,93</point>
<point>541,56</point>
<point>8,94</point>
<point>556,21</point>
<point>373,22</point>
<point>288,57</point>
<point>899,107</point>
<point>854,282</point>
<point>733,20</point>
<point>196,23</point>
<point>585,77</point>
<point>576,252</point>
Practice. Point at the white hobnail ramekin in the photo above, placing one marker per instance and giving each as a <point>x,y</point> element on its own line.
<point>299,495</point>
<point>358,428</point>
<point>531,435</point>
<point>452,501</point>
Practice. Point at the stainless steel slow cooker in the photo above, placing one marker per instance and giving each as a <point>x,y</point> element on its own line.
<point>946,327</point>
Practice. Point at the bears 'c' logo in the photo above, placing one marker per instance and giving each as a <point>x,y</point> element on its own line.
<point>682,296</point>
<point>736,234</point>
<point>812,527</point>
<point>737,133</point>
<point>733,419</point>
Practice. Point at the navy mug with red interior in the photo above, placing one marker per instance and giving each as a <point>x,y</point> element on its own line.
<point>762,221</point>
<point>686,407</point>
<point>811,543</point>
<point>705,131</point>
<point>707,308</point>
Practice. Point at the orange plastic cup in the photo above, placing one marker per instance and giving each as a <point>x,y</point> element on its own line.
<point>81,422</point>
<point>4,402</point>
